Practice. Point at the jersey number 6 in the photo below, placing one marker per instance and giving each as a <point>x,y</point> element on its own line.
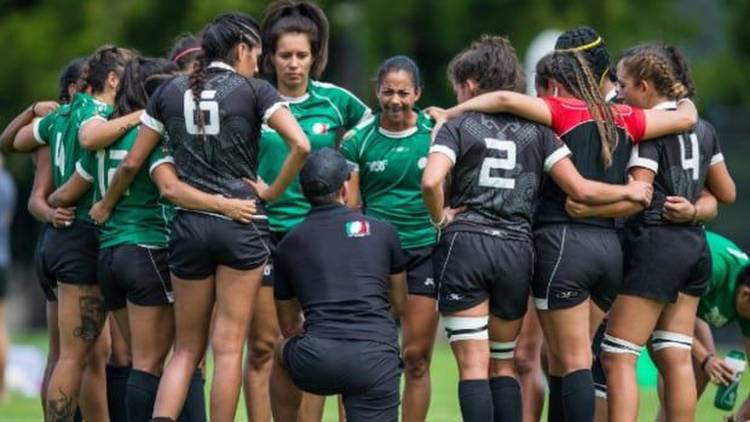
<point>490,163</point>
<point>206,104</point>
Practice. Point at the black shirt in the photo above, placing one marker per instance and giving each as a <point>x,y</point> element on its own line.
<point>681,164</point>
<point>234,108</point>
<point>499,163</point>
<point>337,263</point>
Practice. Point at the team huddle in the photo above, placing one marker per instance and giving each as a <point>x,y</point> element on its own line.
<point>225,196</point>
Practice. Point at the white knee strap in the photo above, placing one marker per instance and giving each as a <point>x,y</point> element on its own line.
<point>661,339</point>
<point>503,349</point>
<point>465,328</point>
<point>612,344</point>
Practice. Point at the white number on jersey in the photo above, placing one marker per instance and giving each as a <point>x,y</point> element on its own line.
<point>490,163</point>
<point>114,154</point>
<point>60,155</point>
<point>207,103</point>
<point>692,163</point>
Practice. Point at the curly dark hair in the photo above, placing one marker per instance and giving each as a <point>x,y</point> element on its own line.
<point>491,62</point>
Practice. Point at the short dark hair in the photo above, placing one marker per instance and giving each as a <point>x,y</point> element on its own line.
<point>491,62</point>
<point>70,75</point>
<point>290,16</point>
<point>326,199</point>
<point>743,277</point>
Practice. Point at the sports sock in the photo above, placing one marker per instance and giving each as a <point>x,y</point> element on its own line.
<point>475,398</point>
<point>506,399</point>
<point>578,396</point>
<point>555,406</point>
<point>117,382</point>
<point>141,395</point>
<point>194,409</point>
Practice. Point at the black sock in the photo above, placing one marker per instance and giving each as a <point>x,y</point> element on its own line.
<point>475,398</point>
<point>117,384</point>
<point>506,399</point>
<point>141,395</point>
<point>555,406</point>
<point>578,396</point>
<point>78,416</point>
<point>194,409</point>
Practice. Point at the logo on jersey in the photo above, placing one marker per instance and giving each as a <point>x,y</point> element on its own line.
<point>319,128</point>
<point>429,281</point>
<point>422,163</point>
<point>715,318</point>
<point>377,166</point>
<point>359,228</point>
<point>566,295</point>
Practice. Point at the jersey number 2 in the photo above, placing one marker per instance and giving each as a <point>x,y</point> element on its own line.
<point>490,163</point>
<point>693,163</point>
<point>206,104</point>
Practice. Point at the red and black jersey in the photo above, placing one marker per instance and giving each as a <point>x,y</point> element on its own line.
<point>499,163</point>
<point>233,108</point>
<point>681,164</point>
<point>573,122</point>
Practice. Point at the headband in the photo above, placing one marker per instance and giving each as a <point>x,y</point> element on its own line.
<point>184,52</point>
<point>584,47</point>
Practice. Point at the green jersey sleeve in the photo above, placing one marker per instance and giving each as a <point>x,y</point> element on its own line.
<point>160,155</point>
<point>43,128</point>
<point>355,111</point>
<point>86,166</point>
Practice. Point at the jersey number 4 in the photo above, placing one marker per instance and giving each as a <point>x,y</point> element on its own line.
<point>508,148</point>
<point>693,163</point>
<point>208,107</point>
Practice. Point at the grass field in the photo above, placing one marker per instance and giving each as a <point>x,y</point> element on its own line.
<point>444,406</point>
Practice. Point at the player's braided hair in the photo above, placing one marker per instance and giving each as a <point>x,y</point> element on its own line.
<point>106,59</point>
<point>70,75</point>
<point>491,62</point>
<point>185,51</point>
<point>573,72</point>
<point>397,63</point>
<point>543,72</point>
<point>140,79</point>
<point>654,65</point>
<point>676,84</point>
<point>219,40</point>
<point>300,16</point>
<point>586,40</point>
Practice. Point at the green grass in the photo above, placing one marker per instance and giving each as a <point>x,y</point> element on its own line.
<point>444,397</point>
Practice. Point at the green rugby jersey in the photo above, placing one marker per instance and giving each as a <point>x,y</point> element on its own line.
<point>717,306</point>
<point>390,166</point>
<point>323,113</point>
<point>59,130</point>
<point>141,217</point>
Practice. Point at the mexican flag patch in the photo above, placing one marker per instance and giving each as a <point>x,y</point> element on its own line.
<point>359,228</point>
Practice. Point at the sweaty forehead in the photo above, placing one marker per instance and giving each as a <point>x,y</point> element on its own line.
<point>397,80</point>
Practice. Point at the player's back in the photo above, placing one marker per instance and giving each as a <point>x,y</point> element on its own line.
<point>499,163</point>
<point>214,141</point>
<point>681,163</point>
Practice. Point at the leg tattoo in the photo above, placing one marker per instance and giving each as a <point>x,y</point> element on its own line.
<point>93,316</point>
<point>61,409</point>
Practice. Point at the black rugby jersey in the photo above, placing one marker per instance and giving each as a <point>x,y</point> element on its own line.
<point>573,122</point>
<point>338,263</point>
<point>234,108</point>
<point>681,164</point>
<point>499,163</point>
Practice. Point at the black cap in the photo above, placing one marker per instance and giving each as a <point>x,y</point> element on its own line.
<point>324,172</point>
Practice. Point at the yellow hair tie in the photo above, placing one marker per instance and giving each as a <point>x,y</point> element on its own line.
<point>584,47</point>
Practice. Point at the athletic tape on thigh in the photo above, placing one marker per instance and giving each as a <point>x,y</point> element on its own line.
<point>612,344</point>
<point>600,391</point>
<point>502,349</point>
<point>465,328</point>
<point>661,339</point>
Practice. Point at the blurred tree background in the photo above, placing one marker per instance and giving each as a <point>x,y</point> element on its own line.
<point>40,37</point>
